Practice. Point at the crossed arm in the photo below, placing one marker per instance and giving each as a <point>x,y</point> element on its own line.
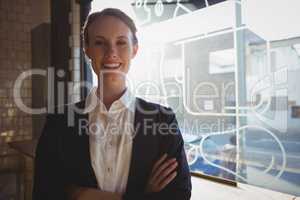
<point>163,172</point>
<point>169,178</point>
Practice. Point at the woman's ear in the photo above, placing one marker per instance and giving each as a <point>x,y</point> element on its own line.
<point>134,50</point>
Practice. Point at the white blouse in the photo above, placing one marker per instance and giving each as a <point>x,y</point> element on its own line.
<point>111,133</point>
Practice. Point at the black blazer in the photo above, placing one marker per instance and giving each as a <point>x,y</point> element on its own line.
<point>63,157</point>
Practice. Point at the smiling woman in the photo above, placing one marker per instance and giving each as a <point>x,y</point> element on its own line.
<point>110,43</point>
<point>121,146</point>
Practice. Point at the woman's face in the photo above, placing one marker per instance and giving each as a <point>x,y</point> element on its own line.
<point>110,48</point>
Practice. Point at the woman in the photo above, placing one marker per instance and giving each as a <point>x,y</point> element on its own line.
<point>120,147</point>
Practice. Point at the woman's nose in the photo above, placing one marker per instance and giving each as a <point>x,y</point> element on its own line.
<point>111,52</point>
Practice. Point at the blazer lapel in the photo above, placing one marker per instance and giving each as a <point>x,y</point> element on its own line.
<point>144,152</point>
<point>88,177</point>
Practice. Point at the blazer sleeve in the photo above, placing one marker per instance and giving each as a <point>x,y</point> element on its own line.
<point>172,143</point>
<point>48,177</point>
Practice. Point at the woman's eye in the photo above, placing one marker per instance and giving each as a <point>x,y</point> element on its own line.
<point>121,43</point>
<point>99,43</point>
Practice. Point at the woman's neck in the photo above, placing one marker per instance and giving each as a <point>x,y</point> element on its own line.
<point>110,93</point>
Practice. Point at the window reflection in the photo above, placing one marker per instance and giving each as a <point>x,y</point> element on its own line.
<point>229,69</point>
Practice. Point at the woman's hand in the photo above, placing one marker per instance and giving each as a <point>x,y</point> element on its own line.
<point>162,174</point>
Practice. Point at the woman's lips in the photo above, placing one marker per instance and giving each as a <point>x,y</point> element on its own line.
<point>111,65</point>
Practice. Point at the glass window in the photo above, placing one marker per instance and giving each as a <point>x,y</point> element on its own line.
<point>229,70</point>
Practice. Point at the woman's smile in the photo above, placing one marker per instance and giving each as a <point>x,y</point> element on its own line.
<point>111,48</point>
<point>111,65</point>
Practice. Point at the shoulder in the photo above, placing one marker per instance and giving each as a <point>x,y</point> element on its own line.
<point>150,108</point>
<point>163,118</point>
<point>59,114</point>
<point>165,127</point>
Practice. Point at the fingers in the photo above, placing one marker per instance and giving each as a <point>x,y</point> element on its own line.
<point>158,163</point>
<point>163,167</point>
<point>167,180</point>
<point>162,174</point>
<point>166,172</point>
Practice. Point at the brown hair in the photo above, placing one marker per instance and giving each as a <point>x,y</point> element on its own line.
<point>114,12</point>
